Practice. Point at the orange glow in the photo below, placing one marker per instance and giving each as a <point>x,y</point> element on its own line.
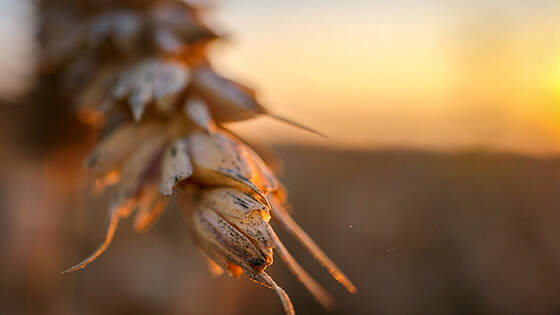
<point>424,74</point>
<point>215,269</point>
<point>103,182</point>
<point>265,215</point>
<point>91,117</point>
<point>126,209</point>
<point>148,217</point>
<point>235,270</point>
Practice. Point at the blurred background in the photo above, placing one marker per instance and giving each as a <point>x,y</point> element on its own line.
<point>436,190</point>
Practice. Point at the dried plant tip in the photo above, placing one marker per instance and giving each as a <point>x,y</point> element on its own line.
<point>110,179</point>
<point>117,145</point>
<point>229,245</point>
<point>227,100</point>
<point>183,21</point>
<point>218,160</point>
<point>322,296</point>
<point>279,213</point>
<point>266,280</point>
<point>176,166</point>
<point>115,215</point>
<point>168,42</point>
<point>214,268</point>
<point>231,202</point>
<point>111,229</point>
<point>136,169</point>
<point>121,28</point>
<point>262,176</point>
<point>123,199</point>
<point>231,101</point>
<point>268,154</point>
<point>244,212</point>
<point>171,79</point>
<point>152,80</point>
<point>150,212</point>
<point>196,110</point>
<point>295,124</point>
<point>235,270</point>
<point>149,60</point>
<point>91,105</point>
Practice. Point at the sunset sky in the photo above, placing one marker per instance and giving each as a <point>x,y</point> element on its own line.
<point>430,74</point>
<point>405,73</point>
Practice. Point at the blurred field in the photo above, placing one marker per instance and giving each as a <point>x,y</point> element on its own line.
<point>418,232</point>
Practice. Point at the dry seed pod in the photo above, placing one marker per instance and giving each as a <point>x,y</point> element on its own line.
<point>116,29</point>
<point>242,210</point>
<point>179,139</point>
<point>117,145</point>
<point>91,103</point>
<point>268,154</point>
<point>176,166</point>
<point>137,168</point>
<point>262,176</point>
<point>149,81</point>
<point>233,246</point>
<point>232,251</point>
<point>232,202</point>
<point>149,210</point>
<point>219,160</point>
<point>182,20</point>
<point>168,42</point>
<point>255,226</point>
<point>136,84</point>
<point>127,32</point>
<point>124,198</point>
<point>197,111</point>
<point>227,100</point>
<point>251,217</point>
<point>171,79</point>
<point>230,101</point>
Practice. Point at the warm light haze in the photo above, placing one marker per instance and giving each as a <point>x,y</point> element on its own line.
<point>428,74</point>
<point>424,74</point>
